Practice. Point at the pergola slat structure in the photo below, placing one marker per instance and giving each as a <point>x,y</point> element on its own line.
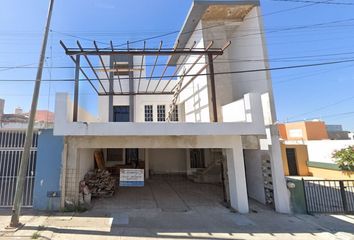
<point>179,67</point>
<point>120,83</point>
<point>91,66</point>
<point>141,66</point>
<point>153,68</point>
<point>165,69</point>
<point>110,71</point>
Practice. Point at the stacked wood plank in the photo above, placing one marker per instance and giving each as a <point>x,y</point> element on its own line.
<point>100,183</point>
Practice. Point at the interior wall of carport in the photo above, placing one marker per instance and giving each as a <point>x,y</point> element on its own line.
<point>254,173</point>
<point>231,144</point>
<point>157,160</point>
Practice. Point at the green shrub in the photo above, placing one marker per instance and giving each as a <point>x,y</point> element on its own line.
<point>345,158</point>
<point>36,235</point>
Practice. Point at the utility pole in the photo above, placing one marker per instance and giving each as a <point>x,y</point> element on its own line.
<point>29,133</point>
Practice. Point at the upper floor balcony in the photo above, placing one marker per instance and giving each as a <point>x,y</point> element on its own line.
<point>241,117</point>
<point>207,105</point>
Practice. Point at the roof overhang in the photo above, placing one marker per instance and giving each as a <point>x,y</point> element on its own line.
<point>197,11</point>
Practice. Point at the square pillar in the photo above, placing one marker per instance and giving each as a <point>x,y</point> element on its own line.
<point>188,161</point>
<point>146,159</point>
<point>237,177</point>
<point>72,175</point>
<point>281,192</point>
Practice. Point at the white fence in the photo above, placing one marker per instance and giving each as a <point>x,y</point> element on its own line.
<point>11,148</point>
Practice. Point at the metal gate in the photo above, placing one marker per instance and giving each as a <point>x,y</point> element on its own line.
<point>11,148</point>
<point>329,196</point>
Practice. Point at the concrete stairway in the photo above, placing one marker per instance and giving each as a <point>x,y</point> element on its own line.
<point>212,172</point>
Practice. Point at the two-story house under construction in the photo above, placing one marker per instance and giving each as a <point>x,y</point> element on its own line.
<point>205,113</point>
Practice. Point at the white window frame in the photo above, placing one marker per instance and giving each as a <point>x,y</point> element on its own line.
<point>149,113</point>
<point>161,113</point>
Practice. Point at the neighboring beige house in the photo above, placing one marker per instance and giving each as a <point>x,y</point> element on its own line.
<point>307,149</point>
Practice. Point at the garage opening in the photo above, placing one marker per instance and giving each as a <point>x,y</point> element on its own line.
<point>166,179</point>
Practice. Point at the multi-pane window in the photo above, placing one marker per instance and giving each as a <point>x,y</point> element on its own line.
<point>161,113</point>
<point>148,113</point>
<point>174,115</point>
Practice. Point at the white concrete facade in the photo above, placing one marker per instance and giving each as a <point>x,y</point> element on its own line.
<point>245,106</point>
<point>322,150</point>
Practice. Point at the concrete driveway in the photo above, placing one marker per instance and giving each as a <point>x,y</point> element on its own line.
<point>176,209</point>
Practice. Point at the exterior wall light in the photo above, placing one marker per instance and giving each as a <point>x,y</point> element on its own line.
<point>290,185</point>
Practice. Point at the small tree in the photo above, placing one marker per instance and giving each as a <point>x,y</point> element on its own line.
<point>345,158</point>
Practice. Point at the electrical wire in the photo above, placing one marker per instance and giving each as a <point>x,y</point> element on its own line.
<point>203,74</point>
<point>317,2</point>
<point>225,60</point>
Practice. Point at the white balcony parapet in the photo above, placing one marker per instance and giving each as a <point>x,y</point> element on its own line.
<point>253,123</point>
<point>247,109</point>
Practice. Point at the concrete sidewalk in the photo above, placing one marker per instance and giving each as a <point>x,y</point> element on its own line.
<point>175,209</point>
<point>197,223</point>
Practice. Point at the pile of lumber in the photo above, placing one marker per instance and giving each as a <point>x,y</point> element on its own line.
<point>100,183</point>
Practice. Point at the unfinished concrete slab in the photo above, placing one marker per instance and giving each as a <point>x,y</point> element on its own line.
<point>165,193</point>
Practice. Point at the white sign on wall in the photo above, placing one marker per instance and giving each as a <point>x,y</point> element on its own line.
<point>131,178</point>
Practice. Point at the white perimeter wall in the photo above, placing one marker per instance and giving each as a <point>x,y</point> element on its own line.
<point>167,160</point>
<point>254,174</point>
<point>321,151</point>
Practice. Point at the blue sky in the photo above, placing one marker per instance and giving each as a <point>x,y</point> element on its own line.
<point>324,92</point>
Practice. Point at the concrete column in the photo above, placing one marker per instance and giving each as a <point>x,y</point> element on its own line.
<point>237,178</point>
<point>281,193</point>
<point>147,169</point>
<point>72,174</point>
<point>188,161</point>
<point>63,175</point>
<point>111,90</point>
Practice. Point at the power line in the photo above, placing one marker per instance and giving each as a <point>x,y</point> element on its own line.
<point>317,2</point>
<point>310,75</point>
<point>322,108</point>
<point>327,116</point>
<point>202,74</point>
<point>222,24</point>
<point>195,30</point>
<point>228,60</point>
<point>174,32</point>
